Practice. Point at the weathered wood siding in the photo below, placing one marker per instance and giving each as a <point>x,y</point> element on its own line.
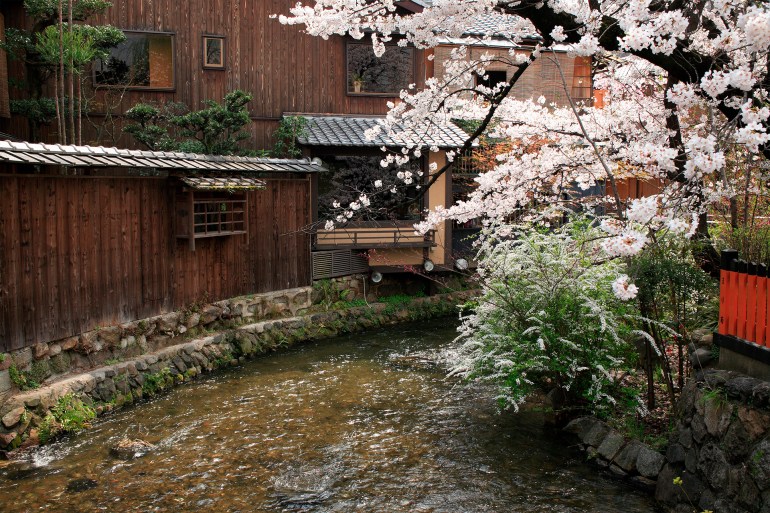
<point>4,107</point>
<point>82,252</point>
<point>285,69</point>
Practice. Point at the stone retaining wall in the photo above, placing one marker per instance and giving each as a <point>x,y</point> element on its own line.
<point>48,360</point>
<point>629,459</point>
<point>114,386</point>
<point>720,447</point>
<point>718,450</point>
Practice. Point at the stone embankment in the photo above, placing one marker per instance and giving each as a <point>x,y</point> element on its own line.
<point>718,455</point>
<point>625,458</point>
<point>113,386</point>
<point>47,361</point>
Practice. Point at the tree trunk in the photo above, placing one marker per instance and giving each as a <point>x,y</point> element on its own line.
<point>62,120</point>
<point>71,65</point>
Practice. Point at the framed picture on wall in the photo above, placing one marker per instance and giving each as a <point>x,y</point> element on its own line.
<point>213,52</point>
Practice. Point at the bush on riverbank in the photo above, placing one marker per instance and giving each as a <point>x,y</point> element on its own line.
<point>547,320</point>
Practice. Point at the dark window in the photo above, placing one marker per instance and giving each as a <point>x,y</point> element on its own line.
<point>143,60</point>
<point>388,74</point>
<point>492,78</point>
<point>204,214</point>
<point>214,52</point>
<point>349,177</point>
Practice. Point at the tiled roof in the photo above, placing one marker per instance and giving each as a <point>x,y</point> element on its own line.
<point>493,24</point>
<point>99,156</point>
<point>222,183</point>
<point>350,131</point>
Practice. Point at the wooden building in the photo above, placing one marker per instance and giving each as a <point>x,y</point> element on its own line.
<point>94,236</point>
<point>207,48</point>
<point>5,111</point>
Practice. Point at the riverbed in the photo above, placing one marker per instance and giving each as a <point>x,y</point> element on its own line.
<point>361,423</point>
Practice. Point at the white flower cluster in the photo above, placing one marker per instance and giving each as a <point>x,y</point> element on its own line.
<point>753,133</point>
<point>623,289</point>
<point>704,159</point>
<point>642,210</point>
<point>755,22</point>
<point>627,243</point>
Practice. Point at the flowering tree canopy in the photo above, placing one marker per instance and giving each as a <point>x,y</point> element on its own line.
<point>687,88</point>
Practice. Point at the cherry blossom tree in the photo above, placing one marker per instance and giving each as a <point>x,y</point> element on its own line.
<point>687,88</point>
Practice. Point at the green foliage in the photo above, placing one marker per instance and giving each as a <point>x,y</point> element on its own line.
<point>325,293</point>
<point>16,42</point>
<point>22,379</point>
<point>715,395</point>
<point>752,242</point>
<point>397,302</point>
<point>671,286</point>
<point>56,44</point>
<point>154,383</point>
<point>224,359</point>
<point>289,129</point>
<point>83,45</point>
<point>69,415</point>
<point>219,127</point>
<point>77,49</point>
<point>48,10</point>
<point>150,125</point>
<point>214,130</point>
<point>547,319</point>
<point>39,111</point>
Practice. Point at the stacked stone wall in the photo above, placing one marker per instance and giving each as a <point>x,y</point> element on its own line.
<point>114,386</point>
<point>718,453</point>
<point>45,361</point>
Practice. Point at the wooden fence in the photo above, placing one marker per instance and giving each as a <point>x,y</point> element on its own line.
<point>744,299</point>
<point>81,252</point>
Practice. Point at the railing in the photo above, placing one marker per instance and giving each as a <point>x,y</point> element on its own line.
<point>368,237</point>
<point>744,299</point>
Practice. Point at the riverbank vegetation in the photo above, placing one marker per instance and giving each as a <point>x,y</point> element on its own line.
<point>670,158</point>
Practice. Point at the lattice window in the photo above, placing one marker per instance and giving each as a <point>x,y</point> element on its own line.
<point>203,214</point>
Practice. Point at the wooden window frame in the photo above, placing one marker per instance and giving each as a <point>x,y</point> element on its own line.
<point>394,94</point>
<point>200,215</point>
<point>172,88</point>
<point>206,65</point>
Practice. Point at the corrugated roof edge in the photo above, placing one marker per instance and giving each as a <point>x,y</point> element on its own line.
<point>11,147</point>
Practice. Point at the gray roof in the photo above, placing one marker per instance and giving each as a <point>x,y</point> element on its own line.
<point>208,183</point>
<point>493,24</point>
<point>349,131</point>
<point>101,157</point>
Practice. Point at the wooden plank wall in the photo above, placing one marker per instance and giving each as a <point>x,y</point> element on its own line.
<point>4,106</point>
<point>285,70</point>
<point>82,252</point>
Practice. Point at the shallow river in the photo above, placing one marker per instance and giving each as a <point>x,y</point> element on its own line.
<point>362,423</point>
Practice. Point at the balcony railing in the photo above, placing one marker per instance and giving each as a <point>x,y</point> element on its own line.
<point>373,236</point>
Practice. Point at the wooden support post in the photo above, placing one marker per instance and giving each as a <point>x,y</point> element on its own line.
<point>741,298</point>
<point>191,224</point>
<point>725,291</point>
<point>751,304</point>
<point>763,306</point>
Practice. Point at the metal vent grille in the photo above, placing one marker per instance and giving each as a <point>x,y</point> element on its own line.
<point>330,264</point>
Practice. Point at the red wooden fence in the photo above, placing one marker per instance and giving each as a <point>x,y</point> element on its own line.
<point>744,299</point>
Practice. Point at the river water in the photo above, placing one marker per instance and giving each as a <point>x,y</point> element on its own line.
<point>362,423</point>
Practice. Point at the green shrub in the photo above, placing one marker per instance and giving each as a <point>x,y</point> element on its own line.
<point>154,383</point>
<point>22,379</point>
<point>69,415</point>
<point>547,319</point>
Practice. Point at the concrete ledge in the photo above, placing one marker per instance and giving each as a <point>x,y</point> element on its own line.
<point>741,356</point>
